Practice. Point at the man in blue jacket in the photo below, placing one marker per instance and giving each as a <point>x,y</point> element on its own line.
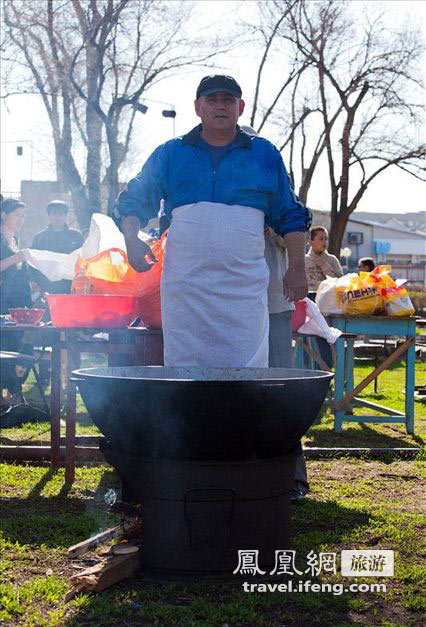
<point>220,187</point>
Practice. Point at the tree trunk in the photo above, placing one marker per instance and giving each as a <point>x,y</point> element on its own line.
<point>337,231</point>
<point>114,162</point>
<point>93,162</point>
<point>72,181</point>
<point>94,126</point>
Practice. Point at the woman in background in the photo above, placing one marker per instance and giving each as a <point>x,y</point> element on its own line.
<point>15,288</point>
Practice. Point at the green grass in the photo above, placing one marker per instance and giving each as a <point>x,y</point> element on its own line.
<point>390,393</point>
<point>349,507</point>
<point>353,503</point>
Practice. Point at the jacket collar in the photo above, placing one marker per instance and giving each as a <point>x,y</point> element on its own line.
<point>66,228</point>
<point>242,139</point>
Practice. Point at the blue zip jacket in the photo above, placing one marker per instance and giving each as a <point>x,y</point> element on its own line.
<point>251,174</point>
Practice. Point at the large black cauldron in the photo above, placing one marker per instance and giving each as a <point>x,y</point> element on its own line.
<point>215,414</point>
<point>209,454</point>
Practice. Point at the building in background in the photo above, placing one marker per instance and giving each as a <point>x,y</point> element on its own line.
<point>412,221</point>
<point>390,242</point>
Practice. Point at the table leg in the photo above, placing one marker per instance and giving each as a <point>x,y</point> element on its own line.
<point>349,371</point>
<point>310,341</point>
<point>409,388</point>
<point>339,383</point>
<point>299,354</point>
<point>70,433</point>
<point>55,405</point>
<point>376,363</point>
<point>154,350</point>
<point>72,362</point>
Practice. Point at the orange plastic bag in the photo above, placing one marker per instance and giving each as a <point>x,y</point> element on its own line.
<point>395,299</point>
<point>109,272</point>
<point>379,277</point>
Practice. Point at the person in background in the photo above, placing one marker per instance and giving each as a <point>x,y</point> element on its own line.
<point>58,238</point>
<point>15,290</point>
<point>319,264</point>
<point>280,333</point>
<point>366,264</point>
<point>15,281</point>
<point>280,337</point>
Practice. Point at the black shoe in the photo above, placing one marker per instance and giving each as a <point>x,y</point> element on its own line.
<point>297,495</point>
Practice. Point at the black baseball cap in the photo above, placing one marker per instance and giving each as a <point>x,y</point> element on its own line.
<point>219,82</point>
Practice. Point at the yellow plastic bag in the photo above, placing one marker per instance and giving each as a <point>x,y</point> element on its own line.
<point>358,297</point>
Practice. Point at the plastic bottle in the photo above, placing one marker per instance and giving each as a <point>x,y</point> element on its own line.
<point>81,285</point>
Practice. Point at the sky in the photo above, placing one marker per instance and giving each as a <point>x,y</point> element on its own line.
<point>24,121</point>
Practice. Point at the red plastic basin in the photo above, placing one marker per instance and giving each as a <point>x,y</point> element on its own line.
<point>23,315</point>
<point>92,310</point>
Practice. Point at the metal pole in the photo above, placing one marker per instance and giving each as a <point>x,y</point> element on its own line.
<point>31,158</point>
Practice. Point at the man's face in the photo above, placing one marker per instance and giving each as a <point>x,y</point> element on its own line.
<point>320,242</point>
<point>58,220</point>
<point>219,111</point>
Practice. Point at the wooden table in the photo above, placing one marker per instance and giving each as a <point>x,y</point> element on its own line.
<point>345,393</point>
<point>131,346</point>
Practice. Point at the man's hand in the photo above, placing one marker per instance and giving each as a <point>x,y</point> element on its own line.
<point>137,250</point>
<point>295,285</point>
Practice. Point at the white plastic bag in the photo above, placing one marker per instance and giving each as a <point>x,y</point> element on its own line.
<point>316,324</point>
<point>54,266</point>
<point>103,235</point>
<point>326,297</point>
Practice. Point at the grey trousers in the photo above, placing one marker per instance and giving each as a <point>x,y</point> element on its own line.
<point>280,357</point>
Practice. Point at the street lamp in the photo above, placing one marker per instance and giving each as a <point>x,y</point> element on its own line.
<point>141,107</point>
<point>170,112</point>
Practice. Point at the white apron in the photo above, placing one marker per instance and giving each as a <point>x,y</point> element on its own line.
<point>214,288</point>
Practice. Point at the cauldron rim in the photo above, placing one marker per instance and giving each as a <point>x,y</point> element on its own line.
<point>249,375</point>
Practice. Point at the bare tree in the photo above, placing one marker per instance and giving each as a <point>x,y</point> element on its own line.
<point>353,98</point>
<point>104,55</point>
<point>32,55</point>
